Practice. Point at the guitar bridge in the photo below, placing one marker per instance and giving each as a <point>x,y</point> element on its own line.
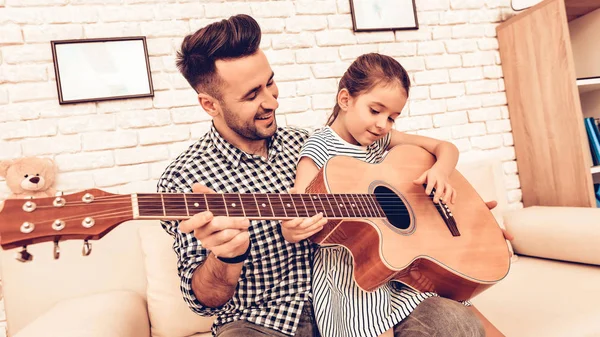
<point>445,213</point>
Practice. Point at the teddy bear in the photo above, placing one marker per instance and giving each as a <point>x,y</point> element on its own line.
<point>29,177</point>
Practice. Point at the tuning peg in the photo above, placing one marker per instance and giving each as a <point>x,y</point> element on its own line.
<point>23,255</point>
<point>87,248</point>
<point>59,201</point>
<point>56,250</point>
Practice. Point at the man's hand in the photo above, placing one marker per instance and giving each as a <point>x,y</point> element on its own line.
<point>223,236</point>
<point>298,229</point>
<point>491,205</point>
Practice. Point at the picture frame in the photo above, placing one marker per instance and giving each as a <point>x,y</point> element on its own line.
<point>519,5</point>
<point>383,15</point>
<point>90,70</point>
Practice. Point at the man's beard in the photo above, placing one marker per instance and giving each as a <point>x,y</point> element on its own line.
<point>248,129</point>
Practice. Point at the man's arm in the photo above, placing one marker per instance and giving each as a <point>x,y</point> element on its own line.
<point>219,278</point>
<point>214,281</point>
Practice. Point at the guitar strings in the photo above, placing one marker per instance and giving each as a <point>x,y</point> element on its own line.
<point>127,198</point>
<point>104,214</point>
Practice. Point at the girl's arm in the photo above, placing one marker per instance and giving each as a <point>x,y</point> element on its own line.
<point>446,155</point>
<point>305,173</point>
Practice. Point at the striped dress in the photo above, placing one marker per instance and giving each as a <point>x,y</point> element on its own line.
<point>342,309</point>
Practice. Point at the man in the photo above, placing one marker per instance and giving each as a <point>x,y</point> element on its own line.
<point>246,274</point>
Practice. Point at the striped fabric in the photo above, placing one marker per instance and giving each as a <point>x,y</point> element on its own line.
<point>342,309</point>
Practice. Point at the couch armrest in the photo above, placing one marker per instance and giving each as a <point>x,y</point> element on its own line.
<point>560,233</point>
<point>115,313</point>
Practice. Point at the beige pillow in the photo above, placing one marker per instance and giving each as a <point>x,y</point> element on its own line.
<point>169,314</point>
<point>560,233</point>
<point>110,313</point>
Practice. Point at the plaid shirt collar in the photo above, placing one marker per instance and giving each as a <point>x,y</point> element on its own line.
<point>235,155</point>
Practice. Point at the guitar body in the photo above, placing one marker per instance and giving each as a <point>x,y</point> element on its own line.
<point>413,244</point>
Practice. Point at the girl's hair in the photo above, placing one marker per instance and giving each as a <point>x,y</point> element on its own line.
<point>368,71</point>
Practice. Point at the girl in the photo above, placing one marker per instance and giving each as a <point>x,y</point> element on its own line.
<point>371,95</point>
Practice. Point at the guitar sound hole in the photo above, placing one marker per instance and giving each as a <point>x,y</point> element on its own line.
<point>394,208</point>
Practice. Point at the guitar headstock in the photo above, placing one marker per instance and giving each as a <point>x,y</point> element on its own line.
<point>87,215</point>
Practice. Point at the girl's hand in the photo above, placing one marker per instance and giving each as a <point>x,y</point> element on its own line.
<point>298,229</point>
<point>435,178</point>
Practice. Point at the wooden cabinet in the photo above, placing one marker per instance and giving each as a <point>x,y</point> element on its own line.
<point>544,51</point>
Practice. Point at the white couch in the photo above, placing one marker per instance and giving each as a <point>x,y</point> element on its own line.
<point>128,286</point>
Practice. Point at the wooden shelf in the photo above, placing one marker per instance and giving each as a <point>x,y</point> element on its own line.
<point>588,84</point>
<point>550,138</point>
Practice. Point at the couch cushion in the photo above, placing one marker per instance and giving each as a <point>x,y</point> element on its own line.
<point>112,313</point>
<point>561,233</point>
<point>169,315</point>
<point>547,298</point>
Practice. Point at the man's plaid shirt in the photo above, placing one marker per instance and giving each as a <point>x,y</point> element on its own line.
<point>276,278</point>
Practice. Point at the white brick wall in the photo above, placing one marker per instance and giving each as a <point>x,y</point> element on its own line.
<point>457,94</point>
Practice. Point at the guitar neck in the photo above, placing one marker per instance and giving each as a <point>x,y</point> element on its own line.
<point>271,206</point>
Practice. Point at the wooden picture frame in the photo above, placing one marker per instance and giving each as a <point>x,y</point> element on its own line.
<point>383,15</point>
<point>89,70</point>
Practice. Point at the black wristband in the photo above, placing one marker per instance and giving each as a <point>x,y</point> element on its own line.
<point>236,259</point>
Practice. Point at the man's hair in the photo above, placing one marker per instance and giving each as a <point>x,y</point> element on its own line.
<point>236,37</point>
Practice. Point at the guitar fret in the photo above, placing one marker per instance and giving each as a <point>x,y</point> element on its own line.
<point>150,205</point>
<point>276,205</point>
<point>374,204</point>
<point>270,205</point>
<point>344,204</point>
<point>363,213</point>
<point>366,206</point>
<point>378,209</point>
<point>242,204</point>
<point>195,203</point>
<point>264,206</point>
<point>361,210</point>
<point>350,205</point>
<point>308,215</point>
<point>338,204</point>
<point>173,204</point>
<point>323,209</point>
<point>307,203</point>
<point>299,203</point>
<point>257,207</point>
<point>216,204</point>
<point>249,206</point>
<point>225,204</point>
<point>187,210</point>
<point>317,205</point>
<point>233,204</point>
<point>289,205</point>
<point>370,201</point>
<point>328,198</point>
<point>283,206</point>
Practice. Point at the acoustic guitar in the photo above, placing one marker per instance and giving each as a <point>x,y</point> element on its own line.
<point>392,228</point>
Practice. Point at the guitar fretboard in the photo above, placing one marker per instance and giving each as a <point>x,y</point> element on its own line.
<point>256,206</point>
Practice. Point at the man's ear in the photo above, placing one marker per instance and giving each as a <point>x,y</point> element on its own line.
<point>343,99</point>
<point>209,104</point>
